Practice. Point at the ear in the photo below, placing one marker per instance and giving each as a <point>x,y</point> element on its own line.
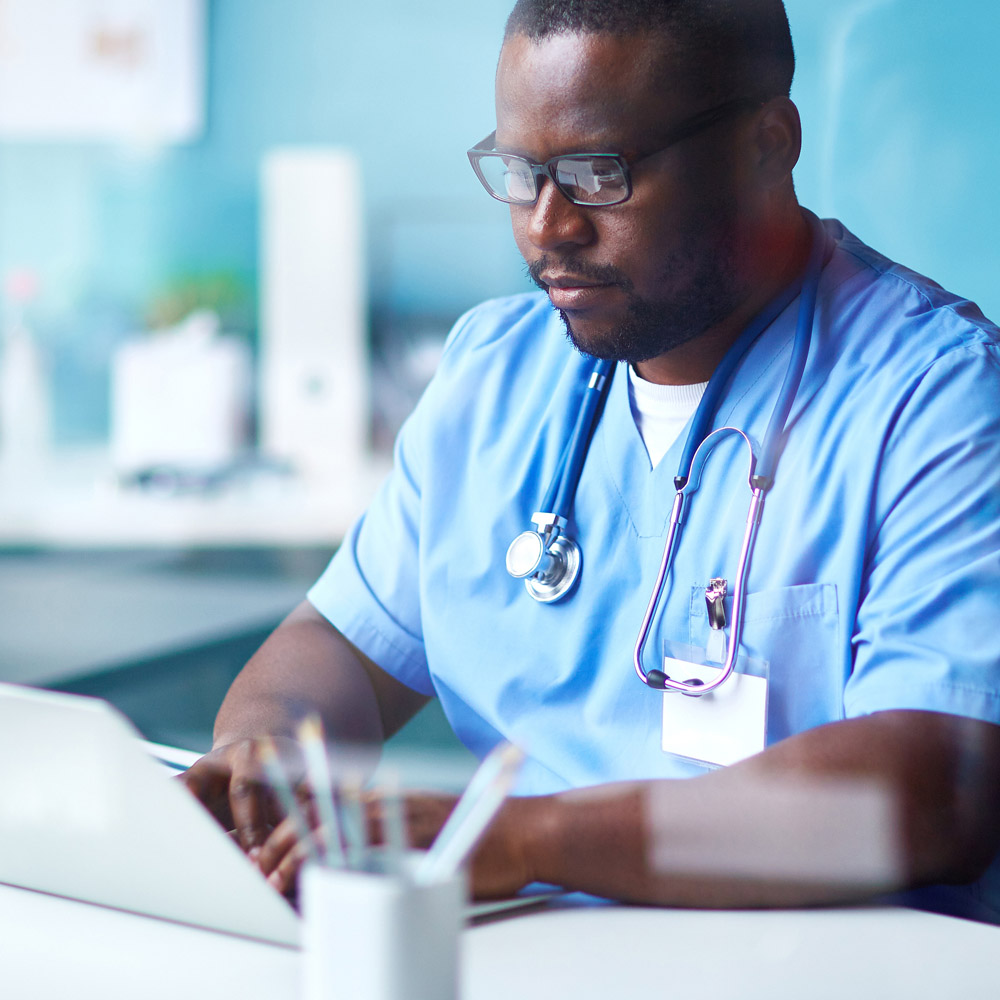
<point>778,141</point>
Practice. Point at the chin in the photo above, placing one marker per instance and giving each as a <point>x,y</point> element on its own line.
<point>632,339</point>
<point>595,340</point>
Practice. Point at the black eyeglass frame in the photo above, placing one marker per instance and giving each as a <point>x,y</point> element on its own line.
<point>547,170</point>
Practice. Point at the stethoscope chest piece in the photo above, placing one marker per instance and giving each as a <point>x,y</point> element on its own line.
<point>547,561</point>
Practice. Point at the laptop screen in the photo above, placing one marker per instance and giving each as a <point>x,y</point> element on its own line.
<point>86,813</point>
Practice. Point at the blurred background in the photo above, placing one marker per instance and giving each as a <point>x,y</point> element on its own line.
<point>233,235</point>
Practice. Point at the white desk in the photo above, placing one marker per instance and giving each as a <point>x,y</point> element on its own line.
<point>53,948</point>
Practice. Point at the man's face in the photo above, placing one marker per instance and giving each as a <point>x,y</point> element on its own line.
<point>633,280</point>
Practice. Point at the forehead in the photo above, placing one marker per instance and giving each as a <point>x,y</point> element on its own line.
<point>574,90</point>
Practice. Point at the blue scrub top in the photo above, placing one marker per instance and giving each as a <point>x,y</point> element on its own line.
<point>875,582</point>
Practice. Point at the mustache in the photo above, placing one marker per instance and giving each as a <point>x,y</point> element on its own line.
<point>599,274</point>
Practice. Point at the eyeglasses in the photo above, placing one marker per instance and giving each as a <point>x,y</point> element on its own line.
<point>582,178</point>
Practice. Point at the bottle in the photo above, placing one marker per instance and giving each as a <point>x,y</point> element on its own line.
<point>25,413</point>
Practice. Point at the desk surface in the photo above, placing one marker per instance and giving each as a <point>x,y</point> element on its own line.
<point>65,615</point>
<point>52,948</point>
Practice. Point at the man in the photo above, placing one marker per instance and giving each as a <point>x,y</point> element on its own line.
<point>872,593</point>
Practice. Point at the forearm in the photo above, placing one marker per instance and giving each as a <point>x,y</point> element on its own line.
<point>840,813</point>
<point>624,846</point>
<point>305,665</point>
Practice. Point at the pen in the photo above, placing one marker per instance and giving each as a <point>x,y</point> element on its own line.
<point>472,814</point>
<point>279,782</point>
<point>353,821</point>
<point>394,835</point>
<point>313,744</point>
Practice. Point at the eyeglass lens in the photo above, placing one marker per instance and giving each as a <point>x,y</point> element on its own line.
<point>584,179</point>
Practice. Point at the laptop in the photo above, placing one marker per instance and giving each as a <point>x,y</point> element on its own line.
<point>87,813</point>
<point>90,811</point>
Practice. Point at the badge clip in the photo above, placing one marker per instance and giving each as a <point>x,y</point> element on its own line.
<point>715,597</point>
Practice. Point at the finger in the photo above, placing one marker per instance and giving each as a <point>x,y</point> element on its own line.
<point>208,781</point>
<point>283,877</point>
<point>198,780</point>
<point>273,814</point>
<point>249,800</point>
<point>283,839</point>
<point>425,815</point>
<point>374,818</point>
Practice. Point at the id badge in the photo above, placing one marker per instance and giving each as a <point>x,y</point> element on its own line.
<point>721,727</point>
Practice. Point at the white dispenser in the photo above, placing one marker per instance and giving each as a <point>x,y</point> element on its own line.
<point>25,406</point>
<point>314,374</point>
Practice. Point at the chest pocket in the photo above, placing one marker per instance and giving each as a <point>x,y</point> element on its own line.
<point>796,631</point>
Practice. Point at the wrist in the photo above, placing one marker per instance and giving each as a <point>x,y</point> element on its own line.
<point>536,826</point>
<point>247,740</point>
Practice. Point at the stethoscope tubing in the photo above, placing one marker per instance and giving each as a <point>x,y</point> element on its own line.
<point>761,475</point>
<point>709,404</point>
<point>770,446</point>
<point>658,679</point>
<point>551,563</point>
<point>559,498</point>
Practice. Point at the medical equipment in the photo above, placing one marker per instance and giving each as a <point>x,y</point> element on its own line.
<point>546,558</point>
<point>549,561</point>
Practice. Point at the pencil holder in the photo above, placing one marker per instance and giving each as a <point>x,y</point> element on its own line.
<point>373,935</point>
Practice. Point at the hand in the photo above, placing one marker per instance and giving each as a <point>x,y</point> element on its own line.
<point>229,782</point>
<point>499,865</point>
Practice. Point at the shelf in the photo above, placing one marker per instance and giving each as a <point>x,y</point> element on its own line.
<point>74,500</point>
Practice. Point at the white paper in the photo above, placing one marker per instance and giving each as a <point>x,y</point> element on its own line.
<point>130,70</point>
<point>721,727</point>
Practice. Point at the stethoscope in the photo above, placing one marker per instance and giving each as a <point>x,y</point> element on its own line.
<point>548,560</point>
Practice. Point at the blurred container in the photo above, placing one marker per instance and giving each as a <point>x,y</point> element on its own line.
<point>180,400</point>
<point>25,403</point>
<point>369,935</point>
<point>314,369</point>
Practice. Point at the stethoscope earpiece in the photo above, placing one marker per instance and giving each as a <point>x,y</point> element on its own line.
<point>656,679</point>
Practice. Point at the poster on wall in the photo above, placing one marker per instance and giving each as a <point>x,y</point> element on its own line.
<point>124,70</point>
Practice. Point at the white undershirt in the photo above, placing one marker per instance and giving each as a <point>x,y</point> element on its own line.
<point>661,411</point>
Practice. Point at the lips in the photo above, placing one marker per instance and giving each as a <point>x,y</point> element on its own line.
<point>569,292</point>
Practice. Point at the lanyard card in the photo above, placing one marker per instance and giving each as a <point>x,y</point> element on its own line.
<point>720,727</point>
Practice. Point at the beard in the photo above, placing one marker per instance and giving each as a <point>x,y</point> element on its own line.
<point>705,290</point>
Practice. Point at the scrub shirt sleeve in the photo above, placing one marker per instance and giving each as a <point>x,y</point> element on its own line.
<point>926,634</point>
<point>371,589</point>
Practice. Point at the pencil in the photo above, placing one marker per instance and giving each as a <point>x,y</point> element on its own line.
<point>394,834</point>
<point>313,743</point>
<point>472,814</point>
<point>268,753</point>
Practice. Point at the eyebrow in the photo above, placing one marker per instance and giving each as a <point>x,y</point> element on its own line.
<point>606,148</point>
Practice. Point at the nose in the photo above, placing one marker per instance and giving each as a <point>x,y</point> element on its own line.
<point>554,222</point>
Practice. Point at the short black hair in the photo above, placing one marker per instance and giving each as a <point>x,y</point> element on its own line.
<point>743,47</point>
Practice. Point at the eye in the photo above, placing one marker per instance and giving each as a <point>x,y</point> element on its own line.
<point>507,177</point>
<point>578,176</point>
<point>593,180</point>
<point>519,181</point>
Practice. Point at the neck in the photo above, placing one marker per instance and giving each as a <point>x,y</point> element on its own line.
<point>779,259</point>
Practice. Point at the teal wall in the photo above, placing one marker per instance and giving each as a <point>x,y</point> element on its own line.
<point>898,99</point>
